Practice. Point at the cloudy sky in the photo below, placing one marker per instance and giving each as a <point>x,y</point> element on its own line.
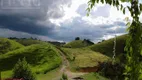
<point>60,20</point>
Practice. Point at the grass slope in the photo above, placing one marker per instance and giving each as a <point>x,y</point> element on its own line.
<point>77,44</point>
<point>7,45</point>
<point>27,42</point>
<point>93,76</point>
<point>106,47</point>
<point>41,57</point>
<point>84,57</point>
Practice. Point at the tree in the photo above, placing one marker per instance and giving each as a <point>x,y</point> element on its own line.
<point>133,69</point>
<point>22,70</point>
<point>77,38</point>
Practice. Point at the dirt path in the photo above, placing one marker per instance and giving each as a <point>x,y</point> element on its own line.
<point>65,65</point>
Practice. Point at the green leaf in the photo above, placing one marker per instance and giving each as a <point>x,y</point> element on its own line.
<point>128,24</point>
<point>121,7</point>
<point>124,11</point>
<point>117,3</point>
<point>102,1</point>
<point>140,7</point>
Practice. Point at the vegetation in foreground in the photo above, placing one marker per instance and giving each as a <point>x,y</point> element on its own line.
<point>45,57</point>
<point>106,47</point>
<point>41,57</point>
<point>93,76</point>
<point>22,70</point>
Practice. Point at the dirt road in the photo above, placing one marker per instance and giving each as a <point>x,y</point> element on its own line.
<point>64,68</point>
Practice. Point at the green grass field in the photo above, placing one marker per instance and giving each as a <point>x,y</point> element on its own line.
<point>41,57</point>
<point>27,42</point>
<point>45,58</point>
<point>93,76</point>
<point>7,45</point>
<point>53,74</point>
<point>84,57</point>
<point>106,47</point>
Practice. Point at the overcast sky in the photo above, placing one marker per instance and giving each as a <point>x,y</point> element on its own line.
<point>60,20</point>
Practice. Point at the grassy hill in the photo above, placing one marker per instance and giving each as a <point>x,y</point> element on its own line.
<point>27,42</point>
<point>106,47</point>
<point>7,45</point>
<point>41,57</point>
<point>94,76</point>
<point>77,44</point>
<point>83,57</point>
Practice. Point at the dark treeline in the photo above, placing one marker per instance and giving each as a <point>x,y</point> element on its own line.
<point>23,38</point>
<point>85,40</point>
<point>31,38</point>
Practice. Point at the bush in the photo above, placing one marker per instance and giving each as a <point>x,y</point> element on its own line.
<point>64,77</point>
<point>114,71</point>
<point>22,70</point>
<point>77,38</point>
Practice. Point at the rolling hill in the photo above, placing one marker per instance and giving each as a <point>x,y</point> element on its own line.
<point>83,57</point>
<point>41,57</point>
<point>27,42</point>
<point>7,45</point>
<point>106,47</point>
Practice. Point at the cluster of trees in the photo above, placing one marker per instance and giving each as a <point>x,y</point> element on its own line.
<point>23,38</point>
<point>85,40</point>
<point>52,42</point>
<point>56,43</point>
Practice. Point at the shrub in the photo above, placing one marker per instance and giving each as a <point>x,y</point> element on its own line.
<point>77,38</point>
<point>22,70</point>
<point>64,77</point>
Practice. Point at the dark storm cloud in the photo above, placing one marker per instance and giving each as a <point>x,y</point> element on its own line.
<point>10,33</point>
<point>18,23</point>
<point>35,22</point>
<point>32,20</point>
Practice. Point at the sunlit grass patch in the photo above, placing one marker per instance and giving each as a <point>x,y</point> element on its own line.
<point>84,57</point>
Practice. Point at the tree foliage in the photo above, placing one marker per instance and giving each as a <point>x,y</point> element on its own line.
<point>77,38</point>
<point>64,77</point>
<point>22,70</point>
<point>133,69</point>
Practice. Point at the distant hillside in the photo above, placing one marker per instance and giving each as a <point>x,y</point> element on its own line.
<point>30,41</point>
<point>42,57</point>
<point>78,44</point>
<point>27,42</point>
<point>57,43</point>
<point>7,45</point>
<point>106,47</point>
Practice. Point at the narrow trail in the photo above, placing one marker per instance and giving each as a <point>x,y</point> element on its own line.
<point>65,65</point>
